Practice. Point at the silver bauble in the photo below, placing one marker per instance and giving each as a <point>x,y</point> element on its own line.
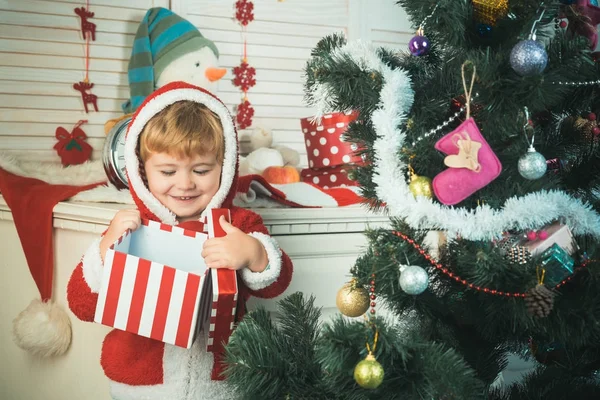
<point>532,165</point>
<point>414,279</point>
<point>528,57</point>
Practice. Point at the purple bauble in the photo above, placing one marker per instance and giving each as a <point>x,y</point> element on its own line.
<point>419,45</point>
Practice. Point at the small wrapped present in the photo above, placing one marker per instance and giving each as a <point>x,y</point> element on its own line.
<point>324,144</point>
<point>328,177</point>
<point>155,283</point>
<point>519,248</point>
<point>557,265</point>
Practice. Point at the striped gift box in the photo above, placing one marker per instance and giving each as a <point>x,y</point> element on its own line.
<point>224,293</point>
<point>156,284</point>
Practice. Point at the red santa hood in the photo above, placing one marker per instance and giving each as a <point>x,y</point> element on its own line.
<point>149,205</point>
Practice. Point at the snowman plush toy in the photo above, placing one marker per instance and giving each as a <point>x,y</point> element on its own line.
<point>166,48</point>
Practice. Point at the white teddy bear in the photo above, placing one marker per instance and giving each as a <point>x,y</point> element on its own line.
<point>263,154</point>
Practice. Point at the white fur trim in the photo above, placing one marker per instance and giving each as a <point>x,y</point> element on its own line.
<point>531,211</point>
<point>53,173</point>
<point>92,266</point>
<point>186,377</point>
<point>43,329</point>
<point>145,114</point>
<point>261,280</point>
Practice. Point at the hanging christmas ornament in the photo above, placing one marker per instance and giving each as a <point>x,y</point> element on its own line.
<point>84,87</point>
<point>532,165</point>
<point>419,185</point>
<point>244,11</point>
<point>419,45</point>
<point>88,29</point>
<point>352,300</point>
<point>529,57</point>
<point>72,147</point>
<point>369,373</point>
<point>490,11</point>
<point>540,299</point>
<point>244,74</point>
<point>472,162</point>
<point>413,279</point>
<point>244,114</point>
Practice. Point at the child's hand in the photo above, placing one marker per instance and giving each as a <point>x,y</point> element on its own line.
<point>123,220</point>
<point>237,250</point>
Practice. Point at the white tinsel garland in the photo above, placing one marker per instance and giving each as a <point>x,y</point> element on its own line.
<point>531,211</point>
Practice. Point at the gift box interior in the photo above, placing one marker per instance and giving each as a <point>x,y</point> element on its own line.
<point>178,251</point>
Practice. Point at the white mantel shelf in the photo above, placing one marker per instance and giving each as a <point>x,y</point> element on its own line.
<point>95,217</point>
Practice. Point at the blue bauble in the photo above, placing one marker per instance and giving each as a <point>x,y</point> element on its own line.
<point>419,45</point>
<point>414,279</point>
<point>528,57</point>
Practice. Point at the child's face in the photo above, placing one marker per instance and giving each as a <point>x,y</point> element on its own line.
<point>185,186</point>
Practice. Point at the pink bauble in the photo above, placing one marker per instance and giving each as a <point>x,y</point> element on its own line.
<point>543,235</point>
<point>531,235</point>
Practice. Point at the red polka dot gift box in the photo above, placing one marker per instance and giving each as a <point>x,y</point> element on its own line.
<point>330,177</point>
<point>323,140</point>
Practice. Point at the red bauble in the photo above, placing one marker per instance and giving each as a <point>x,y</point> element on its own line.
<point>72,147</point>
<point>244,115</point>
<point>244,76</point>
<point>244,11</point>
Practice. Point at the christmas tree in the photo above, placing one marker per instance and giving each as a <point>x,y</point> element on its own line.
<point>481,143</point>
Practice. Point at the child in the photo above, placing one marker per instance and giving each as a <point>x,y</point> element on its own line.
<point>181,158</point>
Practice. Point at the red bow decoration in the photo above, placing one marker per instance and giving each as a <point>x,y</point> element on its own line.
<point>72,147</point>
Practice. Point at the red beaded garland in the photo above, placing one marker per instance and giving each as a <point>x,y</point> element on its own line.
<point>445,271</point>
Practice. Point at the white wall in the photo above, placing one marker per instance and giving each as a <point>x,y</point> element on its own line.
<point>42,55</point>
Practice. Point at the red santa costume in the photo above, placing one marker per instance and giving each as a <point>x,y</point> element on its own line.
<point>141,368</point>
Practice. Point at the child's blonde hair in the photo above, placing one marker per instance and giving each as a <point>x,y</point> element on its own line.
<point>183,129</point>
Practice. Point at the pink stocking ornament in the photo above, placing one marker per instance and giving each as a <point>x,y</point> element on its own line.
<point>472,162</point>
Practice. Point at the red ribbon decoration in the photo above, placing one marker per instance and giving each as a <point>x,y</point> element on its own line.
<point>72,147</point>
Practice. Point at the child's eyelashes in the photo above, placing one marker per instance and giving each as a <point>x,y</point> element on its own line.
<point>197,172</point>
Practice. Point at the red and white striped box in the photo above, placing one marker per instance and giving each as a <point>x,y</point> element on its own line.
<point>155,283</point>
<point>324,144</point>
<point>328,177</point>
<point>222,304</point>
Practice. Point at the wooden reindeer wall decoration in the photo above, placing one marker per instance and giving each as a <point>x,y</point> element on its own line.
<point>87,27</point>
<point>88,98</point>
<point>88,31</point>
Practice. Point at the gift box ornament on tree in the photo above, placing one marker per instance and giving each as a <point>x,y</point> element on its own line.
<point>471,161</point>
<point>553,244</point>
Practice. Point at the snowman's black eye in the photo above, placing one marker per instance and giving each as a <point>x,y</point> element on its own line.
<point>197,64</point>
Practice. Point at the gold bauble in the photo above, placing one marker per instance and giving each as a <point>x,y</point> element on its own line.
<point>489,11</point>
<point>352,300</point>
<point>368,373</point>
<point>420,186</point>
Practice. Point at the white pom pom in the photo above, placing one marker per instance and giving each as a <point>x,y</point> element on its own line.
<point>42,329</point>
<point>260,138</point>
